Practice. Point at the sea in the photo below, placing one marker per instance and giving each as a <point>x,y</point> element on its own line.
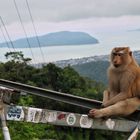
<point>107,41</point>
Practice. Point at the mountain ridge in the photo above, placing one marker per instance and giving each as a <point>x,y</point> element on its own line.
<point>94,67</point>
<point>53,39</point>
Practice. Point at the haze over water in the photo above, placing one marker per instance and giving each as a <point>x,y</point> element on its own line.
<point>107,41</point>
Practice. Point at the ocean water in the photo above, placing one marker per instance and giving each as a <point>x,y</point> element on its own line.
<point>107,41</point>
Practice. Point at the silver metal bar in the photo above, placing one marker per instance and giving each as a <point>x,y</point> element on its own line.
<point>63,97</point>
<point>69,119</point>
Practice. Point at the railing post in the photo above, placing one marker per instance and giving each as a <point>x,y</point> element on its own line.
<point>5,129</point>
<point>134,134</point>
<point>5,95</point>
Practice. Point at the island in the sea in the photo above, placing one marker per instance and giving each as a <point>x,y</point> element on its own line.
<point>53,39</point>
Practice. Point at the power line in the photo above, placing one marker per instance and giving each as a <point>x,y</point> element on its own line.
<point>5,38</point>
<point>7,33</point>
<point>24,30</point>
<point>39,44</point>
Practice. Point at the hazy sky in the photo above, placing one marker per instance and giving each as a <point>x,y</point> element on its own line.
<point>103,19</point>
<point>92,16</point>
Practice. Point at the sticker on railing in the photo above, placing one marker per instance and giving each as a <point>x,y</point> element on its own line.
<point>71,119</point>
<point>15,113</point>
<point>85,121</point>
<point>61,116</point>
<point>34,115</point>
<point>110,123</point>
<point>52,116</point>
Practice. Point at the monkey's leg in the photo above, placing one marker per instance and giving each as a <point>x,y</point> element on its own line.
<point>132,105</point>
<point>122,108</point>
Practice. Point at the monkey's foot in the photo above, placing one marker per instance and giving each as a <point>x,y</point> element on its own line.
<point>95,113</point>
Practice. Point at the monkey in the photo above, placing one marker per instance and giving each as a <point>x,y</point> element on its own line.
<point>123,94</point>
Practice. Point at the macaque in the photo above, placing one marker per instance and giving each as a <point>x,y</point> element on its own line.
<point>123,94</point>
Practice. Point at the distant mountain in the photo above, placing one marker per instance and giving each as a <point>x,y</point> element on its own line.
<point>94,67</point>
<point>134,30</point>
<point>137,30</point>
<point>54,39</point>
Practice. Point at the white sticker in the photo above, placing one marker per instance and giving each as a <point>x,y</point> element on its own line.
<point>71,119</point>
<point>52,116</point>
<point>85,121</point>
<point>38,115</point>
<point>15,113</point>
<point>44,117</point>
<point>110,124</point>
<point>34,115</point>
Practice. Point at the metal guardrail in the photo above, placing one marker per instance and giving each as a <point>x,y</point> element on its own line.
<point>37,115</point>
<point>63,97</point>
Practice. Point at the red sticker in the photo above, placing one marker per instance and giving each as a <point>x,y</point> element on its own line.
<point>61,116</point>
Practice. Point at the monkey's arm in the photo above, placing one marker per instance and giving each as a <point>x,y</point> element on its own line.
<point>119,97</point>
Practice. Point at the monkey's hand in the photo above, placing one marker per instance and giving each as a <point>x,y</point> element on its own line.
<point>105,104</point>
<point>102,105</point>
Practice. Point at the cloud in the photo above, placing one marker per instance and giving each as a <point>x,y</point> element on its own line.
<point>67,10</point>
<point>90,25</point>
<point>75,15</point>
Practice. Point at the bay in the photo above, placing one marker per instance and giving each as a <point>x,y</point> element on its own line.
<point>107,41</point>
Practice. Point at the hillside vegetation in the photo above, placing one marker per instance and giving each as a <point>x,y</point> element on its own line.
<point>95,70</point>
<point>59,79</point>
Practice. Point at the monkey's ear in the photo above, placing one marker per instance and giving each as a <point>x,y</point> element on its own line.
<point>130,53</point>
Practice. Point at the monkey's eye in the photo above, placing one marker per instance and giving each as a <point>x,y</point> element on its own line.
<point>118,54</point>
<point>114,54</point>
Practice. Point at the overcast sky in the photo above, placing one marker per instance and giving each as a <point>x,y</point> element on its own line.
<point>92,16</point>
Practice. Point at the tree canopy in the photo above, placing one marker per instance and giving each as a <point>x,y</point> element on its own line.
<point>49,76</point>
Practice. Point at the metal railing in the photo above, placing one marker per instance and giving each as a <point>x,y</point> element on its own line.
<point>63,97</point>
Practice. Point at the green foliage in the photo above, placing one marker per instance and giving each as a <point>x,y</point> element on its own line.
<point>94,70</point>
<point>30,131</point>
<point>17,57</point>
<point>51,77</point>
<point>72,80</point>
<point>1,135</point>
<point>26,100</point>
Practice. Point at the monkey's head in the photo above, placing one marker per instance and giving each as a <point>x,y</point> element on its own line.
<point>121,57</point>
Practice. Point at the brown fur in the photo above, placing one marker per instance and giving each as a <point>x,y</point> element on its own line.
<point>122,96</point>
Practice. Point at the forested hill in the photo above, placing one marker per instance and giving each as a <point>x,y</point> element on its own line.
<point>65,80</point>
<point>52,77</point>
<point>54,39</point>
<point>94,67</point>
<point>96,70</point>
